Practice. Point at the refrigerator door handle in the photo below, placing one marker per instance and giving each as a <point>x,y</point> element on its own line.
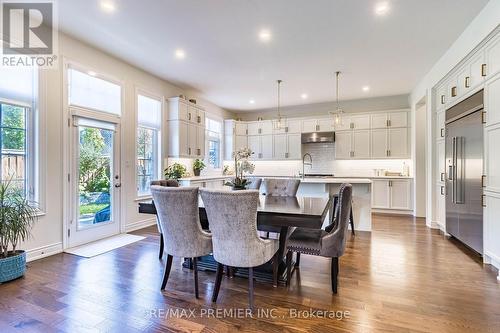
<point>454,169</point>
<point>460,169</point>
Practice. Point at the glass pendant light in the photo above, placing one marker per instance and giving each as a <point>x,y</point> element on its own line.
<point>279,123</point>
<point>337,114</point>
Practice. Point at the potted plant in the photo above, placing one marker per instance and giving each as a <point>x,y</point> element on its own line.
<point>198,165</point>
<point>17,216</point>
<point>242,165</point>
<point>175,171</point>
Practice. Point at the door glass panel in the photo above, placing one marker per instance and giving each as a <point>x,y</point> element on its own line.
<point>95,165</point>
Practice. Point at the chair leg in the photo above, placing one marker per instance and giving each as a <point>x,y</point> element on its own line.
<point>162,245</point>
<point>250,288</point>
<point>351,219</point>
<point>275,269</point>
<point>289,267</point>
<point>297,260</point>
<point>168,267</point>
<point>218,280</point>
<point>195,268</point>
<point>335,274</point>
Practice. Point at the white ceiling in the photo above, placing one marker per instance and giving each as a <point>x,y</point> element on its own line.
<point>311,39</point>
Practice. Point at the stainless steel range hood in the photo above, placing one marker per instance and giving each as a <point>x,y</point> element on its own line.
<point>318,137</point>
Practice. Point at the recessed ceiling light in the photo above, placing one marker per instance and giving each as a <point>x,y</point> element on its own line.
<point>91,73</point>
<point>382,8</point>
<point>251,101</point>
<point>304,96</point>
<point>108,6</point>
<point>366,88</point>
<point>180,54</point>
<point>265,35</point>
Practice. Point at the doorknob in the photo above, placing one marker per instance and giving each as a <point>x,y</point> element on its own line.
<point>118,185</point>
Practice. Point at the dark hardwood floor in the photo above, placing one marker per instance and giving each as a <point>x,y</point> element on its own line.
<point>404,278</point>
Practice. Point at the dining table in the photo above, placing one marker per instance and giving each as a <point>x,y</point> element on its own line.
<point>275,215</point>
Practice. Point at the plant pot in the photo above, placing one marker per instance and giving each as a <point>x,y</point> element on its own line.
<point>196,172</point>
<point>12,267</point>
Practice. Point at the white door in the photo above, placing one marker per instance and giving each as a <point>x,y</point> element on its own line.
<point>493,57</point>
<point>343,145</point>
<point>266,146</point>
<point>398,119</point>
<point>361,144</point>
<point>294,147</point>
<point>280,146</point>
<point>360,122</point>
<point>379,143</point>
<point>95,181</point>
<point>380,194</point>
<point>344,123</point>
<point>309,126</point>
<point>398,143</point>
<point>400,194</point>
<point>293,126</point>
<point>266,127</point>
<point>254,145</point>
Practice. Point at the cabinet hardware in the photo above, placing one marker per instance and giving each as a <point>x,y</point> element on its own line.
<point>442,176</point>
<point>483,181</point>
<point>260,130</point>
<point>189,151</point>
<point>286,155</point>
<point>483,117</point>
<point>389,152</point>
<point>390,123</point>
<point>351,125</point>
<point>317,127</point>
<point>390,183</point>
<point>483,201</point>
<point>386,153</point>
<point>189,116</point>
<point>454,91</point>
<point>199,120</point>
<point>199,151</point>
<point>442,132</point>
<point>442,190</point>
<point>260,155</point>
<point>387,123</point>
<point>442,99</point>
<point>467,82</point>
<point>246,132</point>
<point>483,70</point>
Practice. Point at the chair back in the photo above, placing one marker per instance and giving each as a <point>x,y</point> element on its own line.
<point>232,216</point>
<point>178,216</point>
<point>165,182</point>
<point>254,183</point>
<point>280,187</point>
<point>333,244</point>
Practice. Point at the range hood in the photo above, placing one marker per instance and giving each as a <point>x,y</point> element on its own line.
<point>318,137</point>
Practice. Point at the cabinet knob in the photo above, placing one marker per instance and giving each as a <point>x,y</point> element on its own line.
<point>453,91</point>
<point>467,82</point>
<point>442,99</point>
<point>442,190</point>
<point>442,132</point>
<point>483,70</point>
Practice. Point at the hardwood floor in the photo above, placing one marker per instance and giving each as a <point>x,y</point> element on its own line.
<point>404,278</point>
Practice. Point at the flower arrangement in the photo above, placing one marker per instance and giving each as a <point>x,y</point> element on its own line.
<point>242,165</point>
<point>175,171</point>
<point>198,165</point>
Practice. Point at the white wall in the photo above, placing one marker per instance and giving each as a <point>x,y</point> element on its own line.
<point>420,161</point>
<point>48,231</point>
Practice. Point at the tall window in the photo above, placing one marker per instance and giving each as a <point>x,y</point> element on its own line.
<point>18,129</point>
<point>213,138</point>
<point>148,142</point>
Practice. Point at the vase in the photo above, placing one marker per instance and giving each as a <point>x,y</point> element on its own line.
<point>12,267</point>
<point>196,172</point>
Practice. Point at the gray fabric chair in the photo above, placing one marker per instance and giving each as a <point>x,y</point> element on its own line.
<point>280,187</point>
<point>232,216</point>
<point>322,243</point>
<point>254,183</point>
<point>177,210</point>
<point>167,183</point>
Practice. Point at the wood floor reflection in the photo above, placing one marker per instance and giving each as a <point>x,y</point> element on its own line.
<point>402,278</point>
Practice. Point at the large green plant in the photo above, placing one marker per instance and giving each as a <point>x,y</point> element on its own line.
<point>17,216</point>
<point>94,165</point>
<point>175,171</point>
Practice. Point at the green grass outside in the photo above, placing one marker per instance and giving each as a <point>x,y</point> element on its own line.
<point>91,208</point>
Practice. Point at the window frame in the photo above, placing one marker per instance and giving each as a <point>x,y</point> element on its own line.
<point>209,118</point>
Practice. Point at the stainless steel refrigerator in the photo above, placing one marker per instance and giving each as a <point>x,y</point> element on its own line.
<point>464,172</point>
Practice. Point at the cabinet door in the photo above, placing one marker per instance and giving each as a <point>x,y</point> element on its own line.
<point>379,120</point>
<point>440,118</point>
<point>240,128</point>
<point>398,119</point>
<point>183,111</point>
<point>293,126</point>
<point>360,122</point>
<point>325,125</point>
<point>201,142</point>
<point>192,140</point>
<point>379,143</point>
<point>398,142</point>
<point>400,194</point>
<point>254,145</point>
<point>266,127</point>
<point>280,146</point>
<point>294,147</point>
<point>253,127</point>
<point>441,97</point>
<point>491,225</point>
<point>492,54</point>
<point>492,101</point>
<point>192,114</point>
<point>361,144</point>
<point>461,82</point>
<point>309,125</point>
<point>476,70</point>
<point>201,117</point>
<point>183,138</point>
<point>344,123</point>
<point>380,194</point>
<point>492,158</point>
<point>240,141</point>
<point>440,215</point>
<point>266,146</point>
<point>343,145</point>
<point>440,157</point>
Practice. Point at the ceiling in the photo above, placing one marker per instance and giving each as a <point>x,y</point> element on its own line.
<point>229,65</point>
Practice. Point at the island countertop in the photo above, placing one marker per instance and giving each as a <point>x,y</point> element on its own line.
<point>316,180</point>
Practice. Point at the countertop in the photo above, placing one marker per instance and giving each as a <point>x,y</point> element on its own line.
<point>316,180</point>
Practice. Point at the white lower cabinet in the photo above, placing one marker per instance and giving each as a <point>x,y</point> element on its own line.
<point>392,194</point>
<point>492,228</point>
<point>440,216</point>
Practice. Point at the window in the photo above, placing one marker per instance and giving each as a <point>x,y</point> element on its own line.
<point>87,90</point>
<point>213,137</point>
<point>18,129</point>
<point>148,142</point>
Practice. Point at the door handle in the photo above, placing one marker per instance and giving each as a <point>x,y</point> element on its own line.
<point>118,185</point>
<point>442,176</point>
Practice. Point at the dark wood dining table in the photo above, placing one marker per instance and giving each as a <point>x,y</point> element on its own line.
<point>276,215</point>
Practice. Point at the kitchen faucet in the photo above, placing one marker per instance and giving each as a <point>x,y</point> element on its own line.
<point>310,163</point>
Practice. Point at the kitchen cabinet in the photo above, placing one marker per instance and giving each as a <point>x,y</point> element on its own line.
<point>178,109</point>
<point>440,124</point>
<point>325,124</point>
<point>398,119</point>
<point>398,143</point>
<point>491,229</point>
<point>441,97</point>
<point>441,159</point>
<point>392,194</point>
<point>309,125</point>
<point>253,128</point>
<point>254,145</point>
<point>280,146</point>
<point>492,57</point>
<point>294,147</point>
<point>379,120</point>
<point>492,101</point>
<point>291,126</point>
<point>201,141</point>
<point>381,194</point>
<point>260,127</point>
<point>440,206</point>
<point>240,128</point>
<point>287,147</point>
<point>344,123</point>
<point>196,115</point>
<point>378,143</point>
<point>262,146</point>
<point>492,158</point>
<point>360,144</point>
<point>343,142</point>
<point>360,122</point>
<point>317,125</point>
<point>240,141</point>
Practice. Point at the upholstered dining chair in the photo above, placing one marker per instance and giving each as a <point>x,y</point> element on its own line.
<point>167,183</point>
<point>177,210</point>
<point>326,243</point>
<point>280,187</point>
<point>232,216</point>
<point>255,183</point>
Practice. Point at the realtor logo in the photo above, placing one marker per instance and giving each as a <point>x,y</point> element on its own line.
<point>28,33</point>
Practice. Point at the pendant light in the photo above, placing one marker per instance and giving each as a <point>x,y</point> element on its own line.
<point>337,114</point>
<point>279,123</point>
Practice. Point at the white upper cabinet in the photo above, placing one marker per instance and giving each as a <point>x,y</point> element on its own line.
<point>260,127</point>
<point>440,128</point>
<point>398,143</point>
<point>344,123</point>
<point>266,127</point>
<point>294,126</point>
<point>280,146</point>
<point>177,109</point>
<point>397,119</point>
<point>360,122</point>
<point>379,120</point>
<point>440,156</point>
<point>309,125</point>
<point>492,55</point>
<point>343,142</point>
<point>361,144</point>
<point>240,141</point>
<point>475,70</point>
<point>253,128</point>
<point>492,158</point>
<point>254,145</point>
<point>287,146</point>
<point>266,146</point>
<point>294,147</point>
<point>492,101</point>
<point>240,128</point>
<point>325,124</point>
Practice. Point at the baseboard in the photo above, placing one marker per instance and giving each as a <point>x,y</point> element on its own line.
<point>434,225</point>
<point>140,225</point>
<point>392,212</point>
<point>44,251</point>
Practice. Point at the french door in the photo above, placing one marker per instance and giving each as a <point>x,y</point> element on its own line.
<point>94,181</point>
